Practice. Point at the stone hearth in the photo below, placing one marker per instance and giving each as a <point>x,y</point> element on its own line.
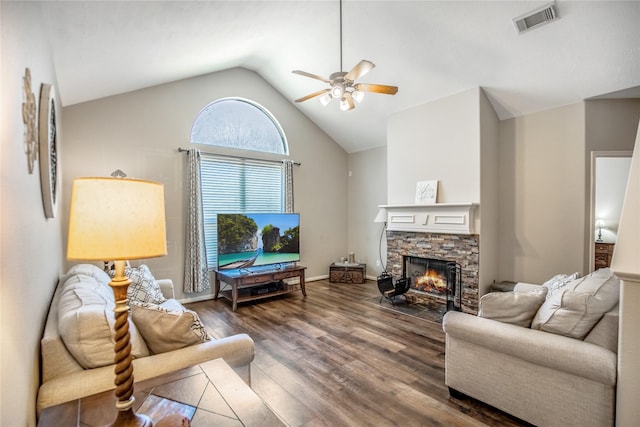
<point>462,249</point>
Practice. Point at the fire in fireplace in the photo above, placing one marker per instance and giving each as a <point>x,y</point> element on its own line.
<point>435,279</point>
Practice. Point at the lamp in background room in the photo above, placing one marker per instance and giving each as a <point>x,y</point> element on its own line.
<point>599,226</point>
<point>118,219</point>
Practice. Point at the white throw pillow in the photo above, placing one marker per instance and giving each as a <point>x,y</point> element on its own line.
<point>577,306</point>
<point>86,321</point>
<point>517,308</point>
<point>168,326</point>
<point>558,281</point>
<point>143,287</point>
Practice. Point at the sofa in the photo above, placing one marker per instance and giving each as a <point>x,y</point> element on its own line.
<point>544,354</point>
<point>77,346</point>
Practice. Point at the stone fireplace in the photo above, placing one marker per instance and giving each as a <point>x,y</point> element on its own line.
<point>444,235</point>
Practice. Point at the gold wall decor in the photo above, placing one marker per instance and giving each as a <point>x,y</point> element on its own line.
<point>29,119</point>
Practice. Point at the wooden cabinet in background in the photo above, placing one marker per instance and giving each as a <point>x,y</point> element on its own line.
<point>603,254</point>
<point>347,273</point>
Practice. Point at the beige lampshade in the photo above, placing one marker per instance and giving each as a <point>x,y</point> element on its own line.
<point>116,219</point>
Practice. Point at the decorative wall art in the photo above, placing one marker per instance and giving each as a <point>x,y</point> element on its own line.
<point>47,137</point>
<point>29,119</point>
<point>426,192</point>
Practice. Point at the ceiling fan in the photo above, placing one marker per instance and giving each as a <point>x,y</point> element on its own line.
<point>343,86</point>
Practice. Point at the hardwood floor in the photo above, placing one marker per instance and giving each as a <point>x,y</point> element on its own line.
<point>335,358</point>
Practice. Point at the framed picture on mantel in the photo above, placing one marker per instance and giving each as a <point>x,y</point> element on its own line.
<point>426,192</point>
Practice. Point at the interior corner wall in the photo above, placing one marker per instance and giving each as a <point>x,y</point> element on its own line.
<point>489,212</point>
<point>435,141</point>
<point>140,132</point>
<point>367,190</point>
<point>542,197</point>
<point>30,245</point>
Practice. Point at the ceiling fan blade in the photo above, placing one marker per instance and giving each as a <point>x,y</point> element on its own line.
<point>313,76</point>
<point>313,95</point>
<point>367,87</point>
<point>362,68</point>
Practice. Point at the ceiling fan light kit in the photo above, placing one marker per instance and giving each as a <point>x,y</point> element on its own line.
<point>342,84</point>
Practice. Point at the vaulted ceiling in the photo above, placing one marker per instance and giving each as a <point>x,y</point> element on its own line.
<point>429,49</point>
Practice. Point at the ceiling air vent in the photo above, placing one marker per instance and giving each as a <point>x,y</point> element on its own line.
<point>535,18</point>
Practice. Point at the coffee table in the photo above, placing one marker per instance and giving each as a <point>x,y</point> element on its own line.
<point>210,394</point>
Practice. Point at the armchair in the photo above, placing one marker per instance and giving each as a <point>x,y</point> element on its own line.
<point>547,379</point>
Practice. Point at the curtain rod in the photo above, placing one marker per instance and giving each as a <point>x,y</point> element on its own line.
<point>184,150</point>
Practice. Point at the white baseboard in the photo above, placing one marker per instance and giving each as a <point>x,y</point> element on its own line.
<point>196,299</point>
<point>316,278</point>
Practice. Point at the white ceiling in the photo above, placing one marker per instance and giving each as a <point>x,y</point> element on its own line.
<point>429,49</point>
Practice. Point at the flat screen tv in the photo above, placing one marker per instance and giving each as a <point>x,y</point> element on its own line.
<point>257,239</point>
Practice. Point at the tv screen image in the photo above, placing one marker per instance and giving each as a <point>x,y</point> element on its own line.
<point>257,239</point>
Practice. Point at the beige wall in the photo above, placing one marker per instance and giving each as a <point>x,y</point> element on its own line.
<point>542,196</point>
<point>436,141</point>
<point>31,245</point>
<point>367,190</point>
<point>611,124</point>
<point>140,132</point>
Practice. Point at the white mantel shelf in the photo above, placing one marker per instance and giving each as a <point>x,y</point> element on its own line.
<point>448,218</point>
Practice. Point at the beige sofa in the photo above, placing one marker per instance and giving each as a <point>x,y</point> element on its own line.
<point>64,378</point>
<point>546,379</point>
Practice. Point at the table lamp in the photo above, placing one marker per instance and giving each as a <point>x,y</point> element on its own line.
<point>118,219</point>
<point>599,226</point>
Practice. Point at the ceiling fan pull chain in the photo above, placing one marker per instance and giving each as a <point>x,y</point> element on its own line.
<point>341,69</point>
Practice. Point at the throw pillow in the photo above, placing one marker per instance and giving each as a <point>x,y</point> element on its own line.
<point>143,287</point>
<point>168,326</point>
<point>558,281</point>
<point>90,270</point>
<point>86,322</point>
<point>517,308</point>
<point>576,307</point>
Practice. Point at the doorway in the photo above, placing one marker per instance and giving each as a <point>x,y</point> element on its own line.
<point>609,175</point>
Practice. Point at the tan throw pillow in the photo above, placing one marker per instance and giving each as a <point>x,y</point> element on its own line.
<point>86,322</point>
<point>168,326</point>
<point>517,308</point>
<point>576,308</point>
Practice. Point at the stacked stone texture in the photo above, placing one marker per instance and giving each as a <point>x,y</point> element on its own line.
<point>460,248</point>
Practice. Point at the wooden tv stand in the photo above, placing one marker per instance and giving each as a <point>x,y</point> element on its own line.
<point>250,286</point>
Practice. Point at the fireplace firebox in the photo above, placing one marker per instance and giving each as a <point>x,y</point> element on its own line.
<point>435,280</point>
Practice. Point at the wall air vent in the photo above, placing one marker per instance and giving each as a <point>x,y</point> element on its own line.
<point>535,18</point>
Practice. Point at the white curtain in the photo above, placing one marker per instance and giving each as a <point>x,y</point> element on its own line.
<point>287,168</point>
<point>196,274</point>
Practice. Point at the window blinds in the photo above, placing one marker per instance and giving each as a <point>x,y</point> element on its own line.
<point>231,185</point>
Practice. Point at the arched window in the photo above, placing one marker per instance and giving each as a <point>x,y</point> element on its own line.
<point>239,123</point>
<point>238,185</point>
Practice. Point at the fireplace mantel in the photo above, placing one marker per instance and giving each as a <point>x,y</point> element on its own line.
<point>448,218</point>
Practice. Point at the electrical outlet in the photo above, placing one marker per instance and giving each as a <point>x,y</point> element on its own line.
<point>377,263</point>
